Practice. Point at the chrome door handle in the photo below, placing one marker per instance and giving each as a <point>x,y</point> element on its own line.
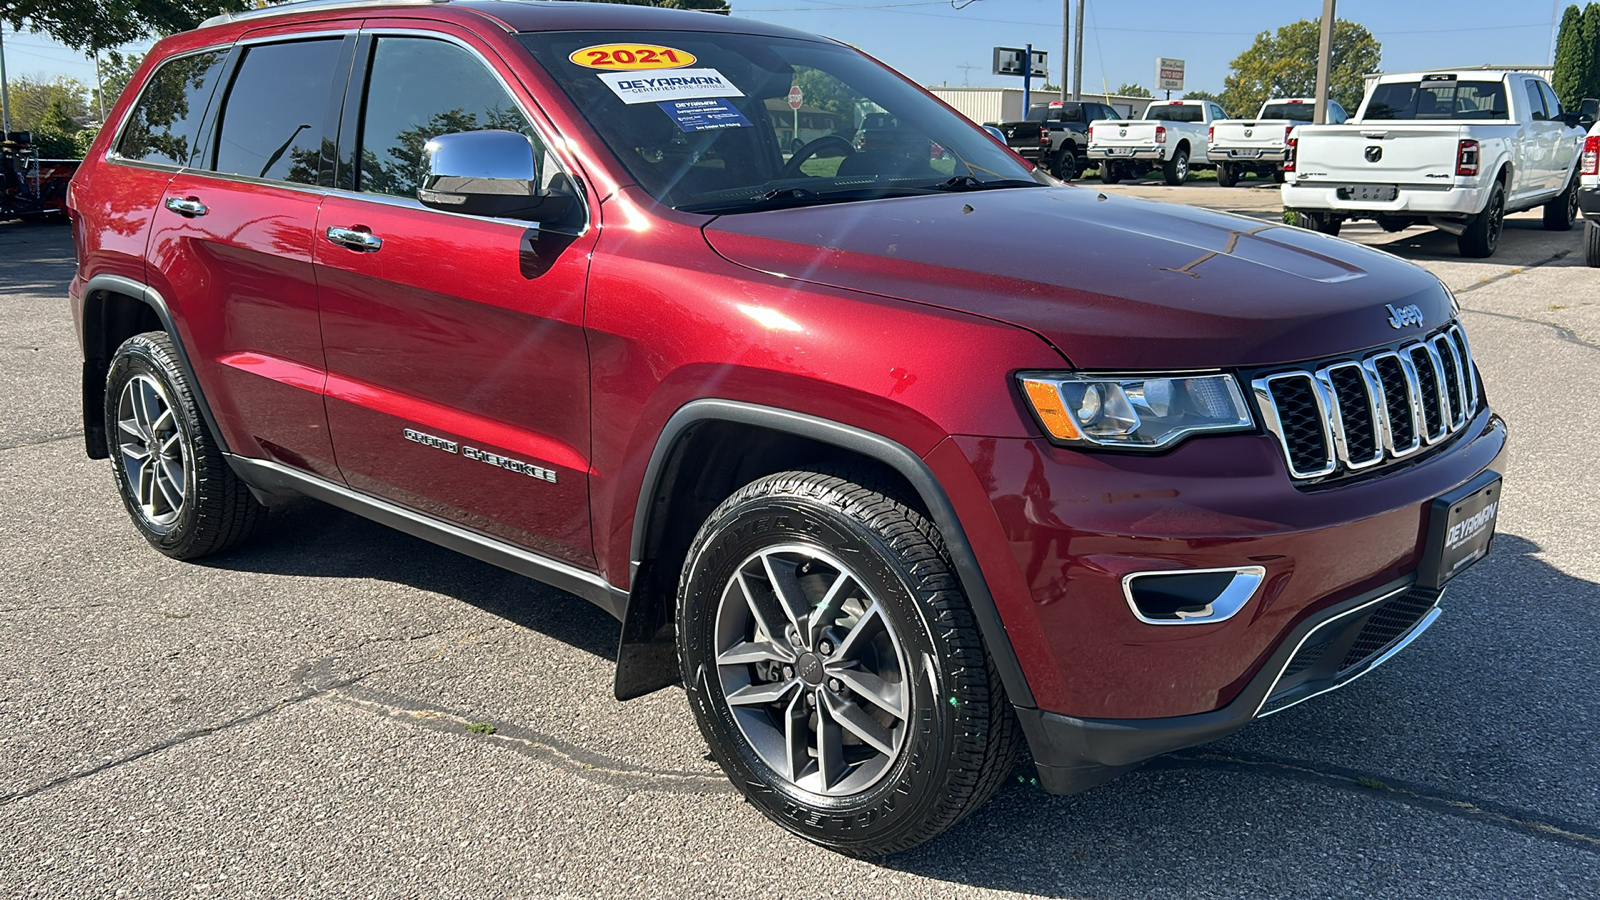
<point>355,239</point>
<point>187,206</point>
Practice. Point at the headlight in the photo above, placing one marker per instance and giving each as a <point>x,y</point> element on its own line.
<point>1143,412</point>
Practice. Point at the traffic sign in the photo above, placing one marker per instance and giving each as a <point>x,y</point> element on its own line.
<point>796,97</point>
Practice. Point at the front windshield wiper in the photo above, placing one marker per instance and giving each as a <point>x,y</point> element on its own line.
<point>788,198</point>
<point>970,183</point>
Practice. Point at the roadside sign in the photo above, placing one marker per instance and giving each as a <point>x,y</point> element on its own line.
<point>1008,61</point>
<point>1169,74</point>
<point>796,97</point>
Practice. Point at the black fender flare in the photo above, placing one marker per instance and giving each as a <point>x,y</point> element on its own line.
<point>845,437</point>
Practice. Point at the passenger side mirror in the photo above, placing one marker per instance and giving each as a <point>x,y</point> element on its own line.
<point>1576,120</point>
<point>489,173</point>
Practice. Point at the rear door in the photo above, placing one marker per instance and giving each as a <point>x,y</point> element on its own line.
<point>458,366</point>
<point>231,247</point>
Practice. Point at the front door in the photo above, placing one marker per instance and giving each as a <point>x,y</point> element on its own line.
<point>458,373</point>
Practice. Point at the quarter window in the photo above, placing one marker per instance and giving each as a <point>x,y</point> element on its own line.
<point>418,89</point>
<point>274,119</point>
<point>163,124</point>
<point>1551,104</point>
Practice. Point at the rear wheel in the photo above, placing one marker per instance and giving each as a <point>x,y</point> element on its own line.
<point>1066,163</point>
<point>1591,244</point>
<point>1393,224</point>
<point>1482,236</point>
<point>1278,176</point>
<point>1227,176</point>
<point>182,495</point>
<point>835,668</point>
<point>1176,170</point>
<point>1561,212</point>
<point>1110,173</point>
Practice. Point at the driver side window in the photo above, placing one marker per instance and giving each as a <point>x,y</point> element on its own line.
<point>418,89</point>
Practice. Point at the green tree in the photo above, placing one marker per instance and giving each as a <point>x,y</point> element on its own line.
<point>1132,90</point>
<point>1285,65</point>
<point>1574,58</point>
<point>97,24</point>
<point>1591,39</point>
<point>116,70</point>
<point>58,118</point>
<point>32,100</point>
<point>1203,95</point>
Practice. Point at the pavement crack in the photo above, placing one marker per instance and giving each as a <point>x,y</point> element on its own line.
<point>586,764</point>
<point>1524,822</point>
<point>179,739</point>
<point>53,439</point>
<point>1514,272</point>
<point>1562,332</point>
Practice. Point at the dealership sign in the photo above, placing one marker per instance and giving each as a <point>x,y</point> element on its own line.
<point>1169,74</point>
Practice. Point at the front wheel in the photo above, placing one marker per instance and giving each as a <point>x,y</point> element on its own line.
<point>182,495</point>
<point>1591,244</point>
<point>1176,170</point>
<point>834,666</point>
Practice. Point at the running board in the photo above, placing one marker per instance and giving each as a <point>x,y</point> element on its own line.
<point>274,478</point>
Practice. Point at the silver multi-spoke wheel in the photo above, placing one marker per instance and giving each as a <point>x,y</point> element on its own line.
<point>812,670</point>
<point>152,451</point>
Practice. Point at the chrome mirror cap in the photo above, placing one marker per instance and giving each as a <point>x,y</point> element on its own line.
<point>488,173</point>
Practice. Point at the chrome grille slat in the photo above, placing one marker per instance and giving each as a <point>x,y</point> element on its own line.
<point>1350,415</point>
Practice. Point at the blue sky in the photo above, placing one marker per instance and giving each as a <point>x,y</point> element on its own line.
<point>932,42</point>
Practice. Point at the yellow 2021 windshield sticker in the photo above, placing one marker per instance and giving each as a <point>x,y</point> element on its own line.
<point>631,57</point>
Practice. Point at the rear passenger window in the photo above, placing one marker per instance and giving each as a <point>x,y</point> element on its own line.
<point>1551,104</point>
<point>418,89</point>
<point>163,124</point>
<point>274,118</point>
<point>1535,102</point>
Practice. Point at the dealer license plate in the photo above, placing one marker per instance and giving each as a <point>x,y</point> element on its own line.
<point>1112,152</point>
<point>1369,193</point>
<point>1245,154</point>
<point>1460,530</point>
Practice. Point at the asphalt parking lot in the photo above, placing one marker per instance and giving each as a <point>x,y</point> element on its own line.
<point>302,717</point>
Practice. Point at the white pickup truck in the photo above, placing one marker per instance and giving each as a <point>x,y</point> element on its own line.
<point>1238,147</point>
<point>1169,137</point>
<point>1456,150</point>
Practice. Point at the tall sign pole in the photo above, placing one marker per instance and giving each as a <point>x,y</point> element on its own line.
<point>1319,115</point>
<point>1027,80</point>
<point>1066,30</point>
<point>1077,59</point>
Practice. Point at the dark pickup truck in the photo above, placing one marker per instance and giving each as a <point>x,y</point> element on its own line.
<point>1054,134</point>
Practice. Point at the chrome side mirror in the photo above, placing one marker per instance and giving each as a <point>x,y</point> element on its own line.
<point>488,173</point>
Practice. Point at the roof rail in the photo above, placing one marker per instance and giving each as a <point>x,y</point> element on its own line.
<point>283,9</point>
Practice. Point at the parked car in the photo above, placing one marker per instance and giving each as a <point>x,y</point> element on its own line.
<point>1456,150</point>
<point>1055,135</point>
<point>1168,137</point>
<point>1589,195</point>
<point>1238,147</point>
<point>888,481</point>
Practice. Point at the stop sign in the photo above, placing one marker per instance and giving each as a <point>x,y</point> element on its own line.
<point>795,97</point>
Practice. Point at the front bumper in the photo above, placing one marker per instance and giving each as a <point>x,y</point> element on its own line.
<point>1447,201</point>
<point>1326,651</point>
<point>1125,154</point>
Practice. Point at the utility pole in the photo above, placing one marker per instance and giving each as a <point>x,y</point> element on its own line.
<point>1066,30</point>
<point>5,90</point>
<point>1077,59</point>
<point>1319,115</point>
<point>99,90</point>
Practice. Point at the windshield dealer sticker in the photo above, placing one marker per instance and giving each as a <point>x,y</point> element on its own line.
<point>682,84</point>
<point>704,115</point>
<point>631,57</point>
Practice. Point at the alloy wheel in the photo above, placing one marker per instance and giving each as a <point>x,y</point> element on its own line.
<point>154,457</point>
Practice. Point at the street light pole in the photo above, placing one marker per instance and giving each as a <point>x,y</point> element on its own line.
<point>1077,59</point>
<point>1066,31</point>
<point>1319,115</point>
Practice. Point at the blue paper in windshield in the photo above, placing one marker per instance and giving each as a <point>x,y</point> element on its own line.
<point>704,114</point>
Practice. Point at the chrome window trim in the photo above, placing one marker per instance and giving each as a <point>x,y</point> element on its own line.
<point>1234,597</point>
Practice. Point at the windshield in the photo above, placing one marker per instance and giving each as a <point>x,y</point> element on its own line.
<point>1065,113</point>
<point>725,123</point>
<point>1294,112</point>
<point>1438,99</point>
<point>1175,113</point>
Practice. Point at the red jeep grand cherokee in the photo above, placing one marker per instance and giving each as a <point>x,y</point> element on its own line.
<point>897,453</point>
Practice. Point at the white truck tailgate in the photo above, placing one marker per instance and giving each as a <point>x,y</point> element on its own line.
<point>1135,133</point>
<point>1378,153</point>
<point>1248,138</point>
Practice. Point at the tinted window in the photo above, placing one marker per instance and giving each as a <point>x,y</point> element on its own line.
<point>1175,113</point>
<point>1535,102</point>
<point>1107,112</point>
<point>273,120</point>
<point>418,89</point>
<point>1336,113</point>
<point>163,124</point>
<point>1294,112</point>
<point>1551,104</point>
<point>1438,99</point>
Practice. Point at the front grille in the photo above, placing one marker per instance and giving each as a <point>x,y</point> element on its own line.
<point>1348,415</point>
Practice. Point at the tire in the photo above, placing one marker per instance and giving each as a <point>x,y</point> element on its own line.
<point>1393,224</point>
<point>940,739</point>
<point>1482,236</point>
<point>1176,169</point>
<point>189,503</point>
<point>1278,175</point>
<point>1226,176</point>
<point>1066,164</point>
<point>1324,222</point>
<point>1591,244</point>
<point>1561,212</point>
<point>1109,172</point>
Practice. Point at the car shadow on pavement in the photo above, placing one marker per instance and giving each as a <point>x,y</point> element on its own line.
<point>1424,242</point>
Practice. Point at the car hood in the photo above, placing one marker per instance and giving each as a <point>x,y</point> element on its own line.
<point>1112,282</point>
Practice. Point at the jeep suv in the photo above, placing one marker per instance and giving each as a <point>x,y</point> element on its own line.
<point>897,459</point>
